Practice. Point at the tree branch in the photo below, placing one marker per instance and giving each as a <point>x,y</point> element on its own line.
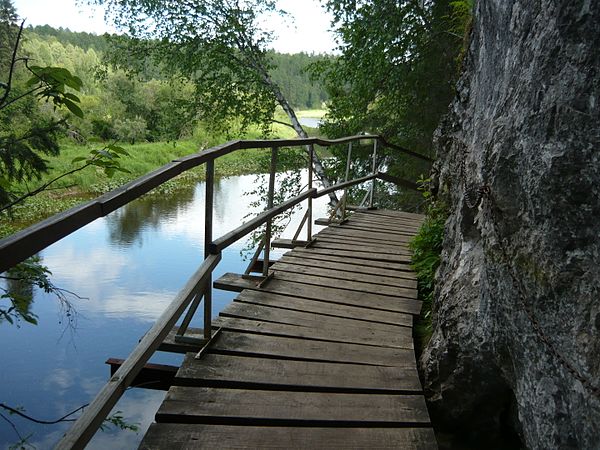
<point>13,61</point>
<point>283,123</point>
<point>43,187</point>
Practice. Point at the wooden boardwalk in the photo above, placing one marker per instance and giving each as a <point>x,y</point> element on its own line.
<point>320,356</point>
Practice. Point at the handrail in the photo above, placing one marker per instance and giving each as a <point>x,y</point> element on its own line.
<point>93,416</point>
<point>27,242</point>
<point>226,240</point>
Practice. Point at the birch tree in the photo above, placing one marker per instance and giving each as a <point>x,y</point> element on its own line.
<point>219,45</point>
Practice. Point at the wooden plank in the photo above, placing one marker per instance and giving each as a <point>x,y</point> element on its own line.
<point>394,214</point>
<point>290,303</point>
<point>341,325</point>
<point>152,376</point>
<point>363,251</point>
<point>280,374</point>
<point>385,220</point>
<point>330,258</point>
<point>171,345</point>
<point>283,284</point>
<point>346,285</point>
<point>360,243</point>
<point>198,436</point>
<point>361,226</point>
<point>372,338</point>
<point>288,243</point>
<point>303,260</point>
<point>258,407</point>
<point>369,237</point>
<point>235,282</point>
<point>382,226</point>
<point>249,344</point>
<point>332,250</point>
<point>344,297</point>
<point>289,265</point>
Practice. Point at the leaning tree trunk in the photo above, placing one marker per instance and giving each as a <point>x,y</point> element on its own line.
<point>297,126</point>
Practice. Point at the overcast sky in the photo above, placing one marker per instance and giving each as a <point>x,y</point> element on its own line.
<point>307,32</point>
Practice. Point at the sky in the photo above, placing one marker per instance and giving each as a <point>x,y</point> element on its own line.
<point>308,32</point>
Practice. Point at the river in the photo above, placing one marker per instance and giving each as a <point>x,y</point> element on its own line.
<point>129,265</point>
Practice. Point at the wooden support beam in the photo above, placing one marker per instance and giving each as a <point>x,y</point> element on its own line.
<point>158,377</point>
<point>288,243</point>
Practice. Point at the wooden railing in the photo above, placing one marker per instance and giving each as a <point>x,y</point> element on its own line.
<point>26,243</point>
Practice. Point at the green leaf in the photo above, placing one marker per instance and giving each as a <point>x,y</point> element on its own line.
<point>72,97</point>
<point>117,149</point>
<point>78,159</point>
<point>73,108</point>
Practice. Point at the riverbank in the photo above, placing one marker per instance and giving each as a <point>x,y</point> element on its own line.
<point>143,158</point>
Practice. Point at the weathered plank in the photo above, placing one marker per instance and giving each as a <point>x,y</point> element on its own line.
<point>358,225</point>
<point>343,252</point>
<point>280,374</point>
<point>198,436</point>
<point>283,284</point>
<point>324,347</point>
<point>290,266</point>
<point>368,237</point>
<point>347,268</point>
<point>361,250</point>
<point>152,376</point>
<point>360,244</point>
<point>258,345</point>
<point>394,214</point>
<point>267,313</point>
<point>287,243</point>
<point>333,334</point>
<point>291,303</point>
<point>263,407</point>
<point>382,221</point>
<point>346,285</point>
<point>171,345</point>
<point>330,257</point>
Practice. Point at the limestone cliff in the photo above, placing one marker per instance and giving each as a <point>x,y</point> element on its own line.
<point>516,336</point>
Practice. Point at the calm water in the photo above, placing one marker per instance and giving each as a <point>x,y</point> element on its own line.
<point>129,265</point>
<point>313,122</point>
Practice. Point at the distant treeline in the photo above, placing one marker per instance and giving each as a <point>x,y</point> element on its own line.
<point>148,107</point>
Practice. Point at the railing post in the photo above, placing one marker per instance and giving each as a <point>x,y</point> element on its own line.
<point>269,206</point>
<point>208,231</point>
<point>373,173</point>
<point>311,157</point>
<point>345,196</point>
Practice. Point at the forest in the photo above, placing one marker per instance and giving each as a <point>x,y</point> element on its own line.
<point>149,106</point>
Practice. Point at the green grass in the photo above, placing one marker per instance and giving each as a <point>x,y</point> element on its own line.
<point>143,158</point>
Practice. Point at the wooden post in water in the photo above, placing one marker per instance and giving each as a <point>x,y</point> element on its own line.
<point>269,206</point>
<point>373,172</point>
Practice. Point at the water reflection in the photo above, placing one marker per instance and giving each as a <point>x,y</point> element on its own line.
<point>127,223</point>
<point>130,265</point>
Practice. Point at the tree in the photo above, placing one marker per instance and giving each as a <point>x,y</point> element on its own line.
<point>396,72</point>
<point>217,44</point>
<point>26,136</point>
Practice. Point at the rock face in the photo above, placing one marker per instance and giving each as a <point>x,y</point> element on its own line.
<point>516,339</point>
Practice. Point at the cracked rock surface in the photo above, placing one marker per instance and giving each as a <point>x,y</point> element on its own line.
<point>516,318</point>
